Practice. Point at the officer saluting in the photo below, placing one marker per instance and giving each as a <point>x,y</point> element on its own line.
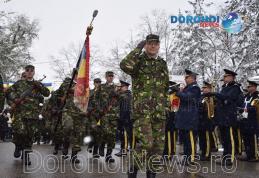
<point>228,99</point>
<point>249,123</point>
<point>187,117</point>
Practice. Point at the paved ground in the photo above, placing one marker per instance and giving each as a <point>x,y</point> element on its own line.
<point>45,165</point>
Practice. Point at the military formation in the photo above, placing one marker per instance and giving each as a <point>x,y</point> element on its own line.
<point>154,116</point>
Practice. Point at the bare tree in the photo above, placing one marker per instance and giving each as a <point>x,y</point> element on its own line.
<point>66,60</point>
<point>17,33</point>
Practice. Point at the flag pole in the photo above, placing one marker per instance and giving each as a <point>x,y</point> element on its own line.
<point>75,71</point>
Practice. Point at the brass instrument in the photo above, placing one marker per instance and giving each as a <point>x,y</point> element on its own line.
<point>209,101</point>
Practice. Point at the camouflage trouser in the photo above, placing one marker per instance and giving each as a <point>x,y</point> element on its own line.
<point>148,141</point>
<point>23,132</point>
<point>73,133</point>
<point>97,134</point>
<point>109,127</point>
<point>40,130</point>
<point>58,134</point>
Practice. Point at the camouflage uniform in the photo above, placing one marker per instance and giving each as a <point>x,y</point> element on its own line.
<point>72,124</point>
<point>149,86</point>
<point>27,112</point>
<point>108,122</point>
<point>50,114</point>
<point>2,96</point>
<point>40,125</point>
<point>92,126</point>
<point>56,114</point>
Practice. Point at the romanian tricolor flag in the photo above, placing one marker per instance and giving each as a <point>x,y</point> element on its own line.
<point>82,89</point>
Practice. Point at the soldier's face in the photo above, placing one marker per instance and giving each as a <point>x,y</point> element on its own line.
<point>206,90</point>
<point>124,88</point>
<point>251,88</point>
<point>152,48</point>
<point>189,79</point>
<point>228,78</point>
<point>109,78</point>
<point>97,84</point>
<point>29,73</point>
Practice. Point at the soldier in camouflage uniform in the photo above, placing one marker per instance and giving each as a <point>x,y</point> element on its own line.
<point>150,80</point>
<point>40,125</point>
<point>72,122</point>
<point>24,96</point>
<point>2,95</point>
<point>108,112</point>
<point>57,102</point>
<point>93,125</point>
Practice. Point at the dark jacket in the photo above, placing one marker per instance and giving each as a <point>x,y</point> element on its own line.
<point>249,124</point>
<point>187,117</point>
<point>228,101</point>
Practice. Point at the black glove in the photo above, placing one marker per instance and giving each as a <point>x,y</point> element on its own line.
<point>141,44</point>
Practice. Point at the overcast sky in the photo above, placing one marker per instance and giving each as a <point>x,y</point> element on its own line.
<point>64,21</point>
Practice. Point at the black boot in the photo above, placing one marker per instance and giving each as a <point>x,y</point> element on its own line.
<point>65,150</point>
<point>95,152</point>
<point>74,158</point>
<point>101,150</point>
<point>151,174</point>
<point>90,147</point>
<point>17,151</point>
<point>121,153</point>
<point>108,157</point>
<point>56,147</point>
<point>132,173</point>
<point>26,158</point>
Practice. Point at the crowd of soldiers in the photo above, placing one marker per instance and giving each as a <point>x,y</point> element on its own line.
<point>153,116</point>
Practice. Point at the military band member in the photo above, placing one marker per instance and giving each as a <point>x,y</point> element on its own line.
<point>206,126</point>
<point>125,118</point>
<point>228,100</point>
<point>187,117</point>
<point>170,130</point>
<point>249,122</point>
